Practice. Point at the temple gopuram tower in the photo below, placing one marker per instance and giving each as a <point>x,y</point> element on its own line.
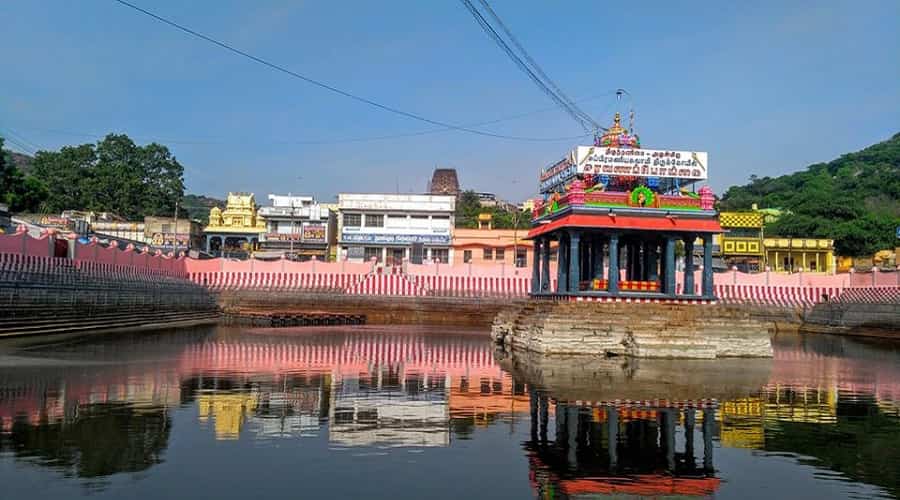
<point>618,212</point>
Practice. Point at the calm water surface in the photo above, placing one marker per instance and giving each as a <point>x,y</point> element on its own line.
<point>230,413</point>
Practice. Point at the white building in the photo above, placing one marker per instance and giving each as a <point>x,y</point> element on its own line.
<point>296,226</point>
<point>393,227</point>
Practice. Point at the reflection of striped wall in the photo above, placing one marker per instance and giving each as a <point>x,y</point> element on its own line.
<point>356,353</point>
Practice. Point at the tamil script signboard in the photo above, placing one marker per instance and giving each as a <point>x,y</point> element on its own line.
<point>596,160</point>
<point>313,233</point>
<point>395,239</point>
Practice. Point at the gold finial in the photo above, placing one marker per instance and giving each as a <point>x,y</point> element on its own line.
<point>617,119</point>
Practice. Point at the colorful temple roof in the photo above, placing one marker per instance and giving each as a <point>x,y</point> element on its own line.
<point>617,175</point>
<point>618,136</point>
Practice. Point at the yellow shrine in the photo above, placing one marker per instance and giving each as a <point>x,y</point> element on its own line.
<point>236,230</point>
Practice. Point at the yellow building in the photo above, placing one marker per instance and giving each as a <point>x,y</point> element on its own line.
<point>795,254</point>
<point>236,230</point>
<point>745,246</point>
<point>742,243</point>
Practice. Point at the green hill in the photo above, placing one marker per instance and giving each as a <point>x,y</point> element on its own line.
<point>854,199</point>
<point>198,206</point>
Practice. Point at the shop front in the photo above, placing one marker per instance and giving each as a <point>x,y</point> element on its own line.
<point>297,227</point>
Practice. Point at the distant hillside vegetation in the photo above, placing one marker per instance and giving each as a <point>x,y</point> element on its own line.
<point>198,206</point>
<point>21,161</point>
<point>854,199</point>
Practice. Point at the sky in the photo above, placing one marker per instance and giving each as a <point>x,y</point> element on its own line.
<point>765,87</point>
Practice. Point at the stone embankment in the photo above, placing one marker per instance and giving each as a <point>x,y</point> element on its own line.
<point>377,310</point>
<point>56,297</point>
<point>637,330</point>
<point>880,319</point>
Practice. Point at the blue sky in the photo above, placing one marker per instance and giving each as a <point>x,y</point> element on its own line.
<point>766,87</point>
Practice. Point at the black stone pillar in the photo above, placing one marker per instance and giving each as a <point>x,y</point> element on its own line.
<point>613,283</point>
<point>545,265</point>
<point>689,264</point>
<point>536,267</point>
<point>574,260</point>
<point>562,266</point>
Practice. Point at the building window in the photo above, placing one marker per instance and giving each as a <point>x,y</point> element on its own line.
<point>370,252</point>
<point>396,220</point>
<point>419,221</point>
<point>488,254</point>
<point>166,228</point>
<point>521,257</point>
<point>467,256</point>
<point>441,255</point>
<point>500,254</point>
<point>374,220</point>
<point>440,221</point>
<point>352,220</point>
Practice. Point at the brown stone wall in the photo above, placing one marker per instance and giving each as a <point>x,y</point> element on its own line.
<point>462,312</point>
<point>638,330</point>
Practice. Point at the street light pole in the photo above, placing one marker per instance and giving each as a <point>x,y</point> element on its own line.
<point>291,236</point>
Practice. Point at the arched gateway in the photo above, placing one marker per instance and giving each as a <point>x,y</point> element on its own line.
<point>618,213</point>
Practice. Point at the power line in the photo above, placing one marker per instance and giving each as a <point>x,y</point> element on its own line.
<point>323,85</point>
<point>17,143</point>
<point>93,135</point>
<point>537,68</point>
<point>17,139</point>
<point>533,71</point>
<point>492,33</point>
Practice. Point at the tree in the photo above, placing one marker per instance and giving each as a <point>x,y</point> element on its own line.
<point>468,207</point>
<point>22,193</point>
<point>115,175</point>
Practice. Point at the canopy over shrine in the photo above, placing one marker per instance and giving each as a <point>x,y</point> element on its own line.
<point>618,212</point>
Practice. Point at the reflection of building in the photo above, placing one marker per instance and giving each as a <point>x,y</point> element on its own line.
<point>236,230</point>
<point>482,398</point>
<point>393,227</point>
<point>228,411</point>
<point>620,451</point>
<point>388,418</point>
<point>297,226</point>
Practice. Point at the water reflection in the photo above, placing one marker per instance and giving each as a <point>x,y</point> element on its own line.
<point>575,426</point>
<point>627,449</point>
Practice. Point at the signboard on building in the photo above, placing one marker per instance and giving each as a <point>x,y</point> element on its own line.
<point>283,236</point>
<point>596,160</point>
<point>396,239</point>
<point>170,241</point>
<point>313,232</point>
<point>554,177</point>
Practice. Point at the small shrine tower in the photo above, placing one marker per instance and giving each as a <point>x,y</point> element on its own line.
<point>617,212</point>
